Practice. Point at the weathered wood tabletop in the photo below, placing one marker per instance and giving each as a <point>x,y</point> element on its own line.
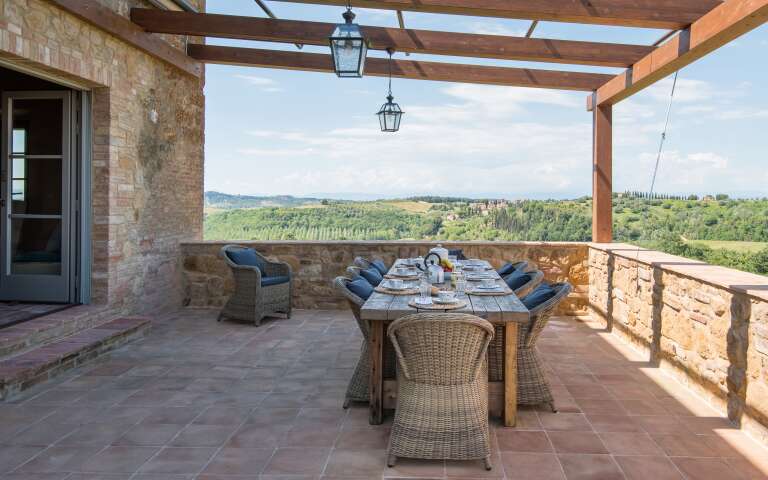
<point>381,309</point>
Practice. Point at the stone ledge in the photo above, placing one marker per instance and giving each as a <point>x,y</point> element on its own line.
<point>734,281</point>
<point>30,368</point>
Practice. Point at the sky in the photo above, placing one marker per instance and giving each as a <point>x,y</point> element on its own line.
<point>274,132</point>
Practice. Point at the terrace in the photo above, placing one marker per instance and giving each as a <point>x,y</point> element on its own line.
<point>658,364</point>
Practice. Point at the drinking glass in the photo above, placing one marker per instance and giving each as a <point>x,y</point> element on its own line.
<point>461,283</point>
<point>425,288</point>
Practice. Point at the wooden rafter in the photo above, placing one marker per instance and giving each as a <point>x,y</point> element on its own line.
<point>402,40</point>
<point>722,25</point>
<point>673,14</point>
<point>436,71</point>
<point>125,30</point>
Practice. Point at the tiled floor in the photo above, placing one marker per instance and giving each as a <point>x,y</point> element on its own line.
<point>215,401</point>
<point>13,313</point>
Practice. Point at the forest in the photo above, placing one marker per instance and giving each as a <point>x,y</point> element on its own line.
<point>712,228</point>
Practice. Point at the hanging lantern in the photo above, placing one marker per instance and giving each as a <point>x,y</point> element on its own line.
<point>390,113</point>
<point>348,47</point>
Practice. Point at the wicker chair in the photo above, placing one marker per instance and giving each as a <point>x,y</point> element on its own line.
<point>532,386</point>
<point>496,350</point>
<point>253,301</point>
<point>442,391</point>
<point>523,265</point>
<point>357,390</point>
<point>364,263</point>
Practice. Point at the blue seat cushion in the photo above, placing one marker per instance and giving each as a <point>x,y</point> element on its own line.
<point>276,280</point>
<point>372,275</point>
<point>247,257</point>
<point>379,265</point>
<point>360,287</point>
<point>507,269</point>
<point>517,279</point>
<point>542,293</point>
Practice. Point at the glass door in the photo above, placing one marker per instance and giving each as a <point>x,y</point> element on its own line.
<point>35,200</point>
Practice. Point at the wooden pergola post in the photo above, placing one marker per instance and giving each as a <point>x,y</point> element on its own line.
<point>602,174</point>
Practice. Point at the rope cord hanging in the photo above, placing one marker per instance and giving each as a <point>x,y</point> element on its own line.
<point>656,171</point>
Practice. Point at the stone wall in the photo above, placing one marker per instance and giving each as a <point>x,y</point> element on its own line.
<point>706,325</point>
<point>208,281</point>
<point>148,125</point>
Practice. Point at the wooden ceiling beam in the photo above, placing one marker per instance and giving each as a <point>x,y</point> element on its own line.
<point>715,29</point>
<point>125,30</point>
<point>402,40</point>
<point>379,67</point>
<point>669,14</point>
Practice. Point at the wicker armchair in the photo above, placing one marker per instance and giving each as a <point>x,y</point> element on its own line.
<point>496,350</point>
<point>532,385</point>
<point>442,391</point>
<point>357,390</point>
<point>523,265</point>
<point>253,300</point>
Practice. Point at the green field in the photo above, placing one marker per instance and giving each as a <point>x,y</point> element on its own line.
<point>720,231</point>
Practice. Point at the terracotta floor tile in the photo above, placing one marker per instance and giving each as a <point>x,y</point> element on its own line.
<point>239,461</point>
<point>173,415</point>
<point>464,469</point>
<point>528,466</point>
<point>614,423</point>
<point>97,434</point>
<point>590,467</point>
<point>223,415</point>
<point>750,469</point>
<point>684,445</point>
<point>659,424</point>
<point>298,461</point>
<point>577,442</point>
<point>644,407</point>
<point>119,459</point>
<point>178,460</point>
<point>630,443</point>
<point>149,435</point>
<point>301,436</point>
<point>12,457</point>
<point>706,469</point>
<point>648,468</point>
<point>601,407</point>
<point>565,421</point>
<point>59,459</point>
<point>370,463</point>
<point>522,441</point>
<point>363,438</point>
<point>255,436</point>
<point>415,468</point>
<point>203,436</point>
<point>40,434</point>
<point>583,391</point>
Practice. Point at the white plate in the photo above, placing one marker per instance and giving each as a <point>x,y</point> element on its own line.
<point>492,287</point>
<point>392,287</point>
<point>423,301</point>
<point>449,302</point>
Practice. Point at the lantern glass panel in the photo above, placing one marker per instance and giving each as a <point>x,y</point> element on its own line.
<point>349,50</point>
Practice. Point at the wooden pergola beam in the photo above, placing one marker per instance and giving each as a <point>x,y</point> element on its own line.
<point>402,40</point>
<point>125,30</point>
<point>379,67</point>
<point>670,14</point>
<point>715,29</point>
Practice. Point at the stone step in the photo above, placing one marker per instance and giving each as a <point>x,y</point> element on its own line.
<point>39,331</point>
<point>20,372</point>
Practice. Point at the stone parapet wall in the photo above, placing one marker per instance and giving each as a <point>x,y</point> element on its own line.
<point>208,281</point>
<point>706,325</point>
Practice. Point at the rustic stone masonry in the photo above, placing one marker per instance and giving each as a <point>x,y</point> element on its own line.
<point>208,281</point>
<point>706,325</point>
<point>148,124</point>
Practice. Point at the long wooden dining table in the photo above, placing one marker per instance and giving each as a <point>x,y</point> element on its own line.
<point>382,308</point>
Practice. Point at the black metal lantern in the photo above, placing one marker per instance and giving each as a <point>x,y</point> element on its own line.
<point>390,113</point>
<point>348,47</point>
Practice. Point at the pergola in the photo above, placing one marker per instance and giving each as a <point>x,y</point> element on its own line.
<point>697,27</point>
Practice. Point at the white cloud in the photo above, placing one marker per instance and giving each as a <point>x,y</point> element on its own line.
<point>686,91</point>
<point>495,28</point>
<point>262,83</point>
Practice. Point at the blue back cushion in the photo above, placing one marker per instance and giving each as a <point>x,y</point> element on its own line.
<point>379,265</point>
<point>361,288</point>
<point>506,269</point>
<point>276,280</point>
<point>247,257</point>
<point>542,293</point>
<point>517,279</point>
<point>372,275</point>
